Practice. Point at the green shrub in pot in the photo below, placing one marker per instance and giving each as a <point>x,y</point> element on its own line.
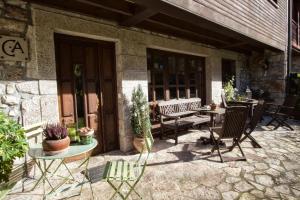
<point>13,145</point>
<point>139,118</point>
<point>229,89</point>
<point>86,135</point>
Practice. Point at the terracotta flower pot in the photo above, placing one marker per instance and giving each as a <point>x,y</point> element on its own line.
<point>139,144</point>
<point>53,147</point>
<point>213,106</point>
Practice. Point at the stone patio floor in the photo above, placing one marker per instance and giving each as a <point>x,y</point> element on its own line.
<point>184,171</point>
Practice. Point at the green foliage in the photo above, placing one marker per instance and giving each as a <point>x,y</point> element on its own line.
<point>240,97</point>
<point>13,145</point>
<point>229,89</point>
<point>140,120</point>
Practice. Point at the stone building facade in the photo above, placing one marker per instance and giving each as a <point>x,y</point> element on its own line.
<point>28,90</point>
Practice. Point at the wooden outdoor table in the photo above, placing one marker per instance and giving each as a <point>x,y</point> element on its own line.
<point>251,102</point>
<point>213,114</point>
<point>38,155</point>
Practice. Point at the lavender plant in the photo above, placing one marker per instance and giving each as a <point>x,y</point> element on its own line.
<point>55,132</point>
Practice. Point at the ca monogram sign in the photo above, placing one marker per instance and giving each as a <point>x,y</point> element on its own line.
<point>13,48</point>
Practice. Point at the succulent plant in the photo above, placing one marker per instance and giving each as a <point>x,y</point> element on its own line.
<point>55,132</point>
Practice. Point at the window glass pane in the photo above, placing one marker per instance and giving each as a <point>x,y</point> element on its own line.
<point>159,93</point>
<point>192,78</point>
<point>181,79</point>
<point>159,78</point>
<point>180,64</point>
<point>172,80</point>
<point>172,64</point>
<point>182,93</point>
<point>173,94</point>
<point>192,65</point>
<point>78,68</point>
<point>199,65</point>
<point>158,62</point>
<point>192,92</point>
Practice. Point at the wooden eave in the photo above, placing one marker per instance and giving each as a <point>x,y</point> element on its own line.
<point>161,17</point>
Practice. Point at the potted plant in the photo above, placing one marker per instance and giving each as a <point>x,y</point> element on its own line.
<point>139,117</point>
<point>213,106</point>
<point>86,135</point>
<point>13,145</point>
<point>56,139</point>
<point>72,133</point>
<point>229,89</point>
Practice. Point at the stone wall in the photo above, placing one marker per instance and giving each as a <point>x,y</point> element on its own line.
<point>131,55</point>
<point>29,102</point>
<point>268,72</point>
<point>29,92</point>
<point>295,64</point>
<point>22,96</point>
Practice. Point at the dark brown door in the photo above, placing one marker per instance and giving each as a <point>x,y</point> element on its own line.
<point>87,88</point>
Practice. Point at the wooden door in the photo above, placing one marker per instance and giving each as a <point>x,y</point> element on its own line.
<point>87,89</point>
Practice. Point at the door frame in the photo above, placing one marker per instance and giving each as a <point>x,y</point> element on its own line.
<point>98,43</point>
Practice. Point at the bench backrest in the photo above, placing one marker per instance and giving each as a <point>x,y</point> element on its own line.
<point>179,105</point>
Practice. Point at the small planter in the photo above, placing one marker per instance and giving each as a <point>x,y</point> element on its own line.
<point>53,147</point>
<point>139,144</point>
<point>86,137</point>
<point>213,106</point>
<point>73,135</point>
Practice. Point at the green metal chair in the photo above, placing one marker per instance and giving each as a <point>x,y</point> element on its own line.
<point>120,172</point>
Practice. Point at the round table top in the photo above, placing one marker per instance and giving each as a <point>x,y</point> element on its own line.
<point>36,151</point>
<point>218,111</point>
<point>249,101</point>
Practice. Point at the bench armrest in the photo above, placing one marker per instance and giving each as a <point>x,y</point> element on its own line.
<point>287,107</point>
<point>211,129</point>
<point>273,104</point>
<point>170,116</point>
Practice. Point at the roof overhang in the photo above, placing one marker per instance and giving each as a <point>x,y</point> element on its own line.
<point>158,16</point>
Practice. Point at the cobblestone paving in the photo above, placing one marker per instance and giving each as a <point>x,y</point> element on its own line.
<point>185,171</point>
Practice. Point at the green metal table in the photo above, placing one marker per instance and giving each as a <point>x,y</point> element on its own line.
<point>44,163</point>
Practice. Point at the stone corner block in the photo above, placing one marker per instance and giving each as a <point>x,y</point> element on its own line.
<point>48,86</point>
<point>30,87</point>
<point>10,88</point>
<point>10,100</point>
<point>49,109</point>
<point>2,89</point>
<point>31,111</point>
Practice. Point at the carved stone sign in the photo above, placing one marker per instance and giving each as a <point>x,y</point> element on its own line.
<point>13,48</point>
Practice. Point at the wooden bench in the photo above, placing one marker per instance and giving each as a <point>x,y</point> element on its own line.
<point>180,114</point>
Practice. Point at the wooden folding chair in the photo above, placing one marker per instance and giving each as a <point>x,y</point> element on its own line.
<point>119,173</point>
<point>232,128</point>
<point>250,127</point>
<point>282,113</point>
<point>224,102</point>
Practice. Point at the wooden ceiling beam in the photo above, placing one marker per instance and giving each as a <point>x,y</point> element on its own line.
<point>175,28</point>
<point>181,14</point>
<point>179,32</point>
<point>139,17</point>
<point>113,6</point>
<point>233,45</point>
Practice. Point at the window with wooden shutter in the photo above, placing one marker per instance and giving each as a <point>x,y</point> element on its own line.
<point>174,76</point>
